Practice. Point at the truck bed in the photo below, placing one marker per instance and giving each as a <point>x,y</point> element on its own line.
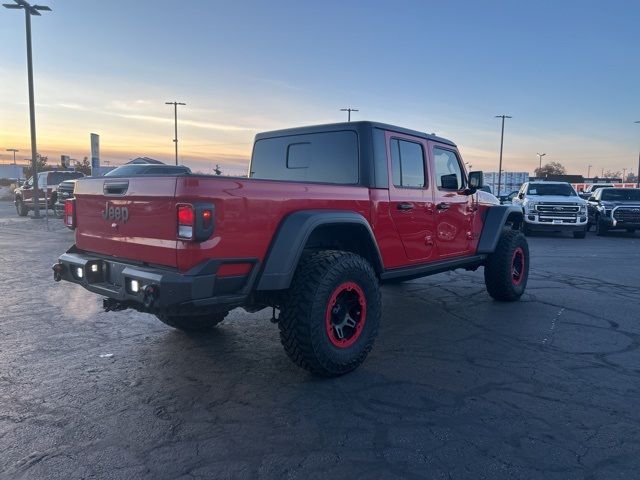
<point>247,214</point>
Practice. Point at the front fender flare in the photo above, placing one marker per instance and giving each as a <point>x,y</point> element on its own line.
<point>494,221</point>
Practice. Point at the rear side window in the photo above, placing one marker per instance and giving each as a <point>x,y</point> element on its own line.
<point>407,164</point>
<point>327,157</point>
<point>448,170</point>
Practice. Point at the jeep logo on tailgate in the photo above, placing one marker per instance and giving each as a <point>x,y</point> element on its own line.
<point>111,212</point>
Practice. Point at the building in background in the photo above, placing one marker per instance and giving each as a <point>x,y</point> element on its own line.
<point>509,182</point>
<point>11,171</point>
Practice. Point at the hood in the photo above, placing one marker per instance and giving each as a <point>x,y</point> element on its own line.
<point>619,203</point>
<point>556,199</point>
<point>487,198</point>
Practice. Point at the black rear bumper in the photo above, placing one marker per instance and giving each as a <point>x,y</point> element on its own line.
<point>159,289</point>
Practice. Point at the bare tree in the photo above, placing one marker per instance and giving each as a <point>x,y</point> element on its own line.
<point>84,166</point>
<point>551,168</point>
<point>612,174</point>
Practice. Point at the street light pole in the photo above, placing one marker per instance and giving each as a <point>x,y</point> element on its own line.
<point>175,117</point>
<point>638,177</point>
<point>28,11</point>
<point>501,145</point>
<point>589,171</point>
<point>540,155</point>
<point>14,153</point>
<point>349,110</point>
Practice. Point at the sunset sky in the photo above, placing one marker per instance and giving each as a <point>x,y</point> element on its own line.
<point>568,73</point>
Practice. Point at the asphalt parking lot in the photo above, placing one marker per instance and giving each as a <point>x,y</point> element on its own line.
<point>458,386</point>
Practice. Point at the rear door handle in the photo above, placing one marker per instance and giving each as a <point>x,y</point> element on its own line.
<point>443,206</point>
<point>405,206</point>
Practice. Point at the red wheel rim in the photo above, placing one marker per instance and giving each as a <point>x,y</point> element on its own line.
<point>518,266</point>
<point>346,315</point>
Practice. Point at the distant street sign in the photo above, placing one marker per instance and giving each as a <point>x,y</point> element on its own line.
<point>95,154</point>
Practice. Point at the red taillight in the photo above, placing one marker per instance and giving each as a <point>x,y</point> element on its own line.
<point>70,213</point>
<point>195,222</point>
<point>185,221</point>
<point>207,219</point>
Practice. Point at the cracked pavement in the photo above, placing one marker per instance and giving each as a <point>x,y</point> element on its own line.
<point>458,386</point>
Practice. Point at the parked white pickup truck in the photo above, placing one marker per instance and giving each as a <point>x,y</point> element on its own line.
<point>552,207</point>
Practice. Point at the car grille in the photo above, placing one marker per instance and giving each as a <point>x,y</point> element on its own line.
<point>555,212</point>
<point>627,214</point>
<point>65,191</point>
<point>557,209</point>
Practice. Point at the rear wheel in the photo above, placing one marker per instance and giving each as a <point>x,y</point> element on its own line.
<point>506,270</point>
<point>193,323</point>
<point>329,320</point>
<point>580,233</point>
<point>21,208</point>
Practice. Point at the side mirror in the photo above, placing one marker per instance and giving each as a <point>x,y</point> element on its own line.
<point>475,183</point>
<point>592,199</point>
<point>449,182</point>
<point>521,196</point>
<point>476,180</point>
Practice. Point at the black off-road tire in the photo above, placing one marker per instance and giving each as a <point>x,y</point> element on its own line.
<point>601,228</point>
<point>580,233</point>
<point>525,229</point>
<point>306,323</point>
<point>21,208</point>
<point>192,323</point>
<point>500,267</point>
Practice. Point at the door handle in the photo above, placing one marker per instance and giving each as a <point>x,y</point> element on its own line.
<point>443,206</point>
<point>405,206</point>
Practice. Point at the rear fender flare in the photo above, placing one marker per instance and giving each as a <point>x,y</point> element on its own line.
<point>291,238</point>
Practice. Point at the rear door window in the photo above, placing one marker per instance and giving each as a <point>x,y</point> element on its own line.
<point>407,164</point>
<point>448,170</point>
<point>327,157</point>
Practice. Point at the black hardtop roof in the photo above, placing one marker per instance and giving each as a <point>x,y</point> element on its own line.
<point>350,126</point>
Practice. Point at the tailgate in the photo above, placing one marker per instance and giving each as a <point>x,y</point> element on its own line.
<point>129,218</point>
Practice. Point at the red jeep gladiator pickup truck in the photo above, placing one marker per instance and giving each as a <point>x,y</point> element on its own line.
<point>327,214</point>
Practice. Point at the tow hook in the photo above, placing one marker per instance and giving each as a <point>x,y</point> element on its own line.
<point>111,305</point>
<point>150,296</point>
<point>58,269</point>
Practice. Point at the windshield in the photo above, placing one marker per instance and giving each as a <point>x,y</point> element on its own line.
<point>622,194</point>
<point>559,189</point>
<point>126,170</point>
<point>594,188</point>
<point>146,169</point>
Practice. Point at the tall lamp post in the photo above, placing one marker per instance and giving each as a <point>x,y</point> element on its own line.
<point>14,153</point>
<point>638,177</point>
<point>501,145</point>
<point>28,11</point>
<point>175,116</point>
<point>540,155</point>
<point>589,171</point>
<point>349,110</point>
